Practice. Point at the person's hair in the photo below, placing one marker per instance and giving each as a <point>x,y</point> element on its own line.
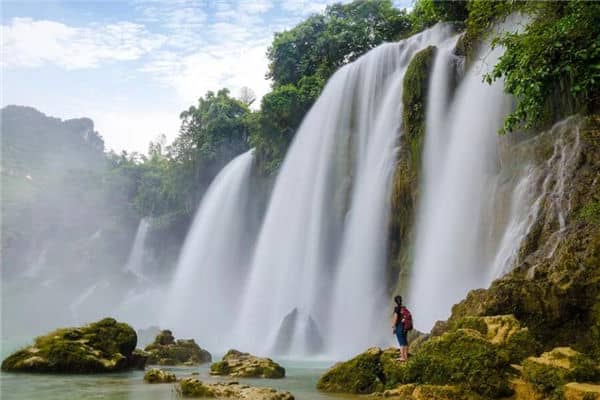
<point>398,300</point>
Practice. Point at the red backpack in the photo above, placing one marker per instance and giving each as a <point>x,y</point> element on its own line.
<point>407,322</point>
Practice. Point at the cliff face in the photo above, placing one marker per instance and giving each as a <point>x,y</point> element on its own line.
<point>554,288</point>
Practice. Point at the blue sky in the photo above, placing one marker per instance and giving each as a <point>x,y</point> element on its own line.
<point>133,66</point>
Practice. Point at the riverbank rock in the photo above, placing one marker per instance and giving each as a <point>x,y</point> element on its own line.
<point>428,392</point>
<point>156,375</point>
<point>192,387</point>
<point>238,364</point>
<point>463,358</point>
<point>556,368</point>
<point>165,350</point>
<point>103,346</point>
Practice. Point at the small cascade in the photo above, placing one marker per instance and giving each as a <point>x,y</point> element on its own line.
<point>321,248</point>
<point>204,295</point>
<point>135,262</point>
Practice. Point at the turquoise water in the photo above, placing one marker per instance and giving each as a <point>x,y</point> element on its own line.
<point>301,378</point>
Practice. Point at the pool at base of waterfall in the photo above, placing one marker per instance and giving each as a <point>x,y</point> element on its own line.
<point>300,380</point>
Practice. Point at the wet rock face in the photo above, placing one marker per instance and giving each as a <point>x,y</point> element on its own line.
<point>238,364</point>
<point>167,351</point>
<point>155,375</point>
<point>103,346</point>
<point>553,289</point>
<point>191,387</point>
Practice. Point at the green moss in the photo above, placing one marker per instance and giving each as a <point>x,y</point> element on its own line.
<point>220,368</point>
<point>463,357</point>
<point>406,176</point>
<point>191,387</point>
<point>238,364</point>
<point>165,350</point>
<point>155,375</point>
<point>361,375</point>
<point>476,323</point>
<point>590,212</point>
<point>102,346</point>
<point>553,369</point>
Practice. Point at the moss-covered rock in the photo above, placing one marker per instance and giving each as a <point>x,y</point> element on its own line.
<point>238,364</point>
<point>103,346</point>
<point>463,357</point>
<point>165,350</point>
<point>505,331</point>
<point>192,387</point>
<point>581,391</point>
<point>155,375</point>
<point>428,392</point>
<point>405,187</point>
<point>361,375</point>
<point>554,369</point>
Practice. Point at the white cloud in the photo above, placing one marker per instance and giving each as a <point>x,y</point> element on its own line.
<point>134,130</point>
<point>33,43</point>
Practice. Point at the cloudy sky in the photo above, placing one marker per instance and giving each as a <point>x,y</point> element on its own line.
<point>133,66</point>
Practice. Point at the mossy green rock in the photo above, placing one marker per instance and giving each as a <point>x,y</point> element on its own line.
<point>103,346</point>
<point>192,387</point>
<point>505,331</point>
<point>361,375</point>
<point>554,369</point>
<point>463,357</point>
<point>405,186</point>
<point>238,364</point>
<point>156,375</point>
<point>167,351</point>
<point>581,391</point>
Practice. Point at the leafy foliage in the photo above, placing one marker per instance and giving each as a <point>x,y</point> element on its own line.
<point>559,48</point>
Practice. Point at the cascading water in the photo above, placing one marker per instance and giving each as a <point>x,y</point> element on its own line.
<point>310,256</point>
<point>204,294</point>
<point>461,162</point>
<point>135,263</point>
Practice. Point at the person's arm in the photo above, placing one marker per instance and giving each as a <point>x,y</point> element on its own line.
<point>394,322</point>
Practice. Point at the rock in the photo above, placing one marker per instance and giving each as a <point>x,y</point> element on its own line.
<point>525,390</point>
<point>462,358</point>
<point>556,368</point>
<point>361,375</point>
<point>192,387</point>
<point>165,350</point>
<point>238,364</point>
<point>505,331</point>
<point>103,346</point>
<point>581,391</point>
<point>288,333</point>
<point>155,375</point>
<point>138,359</point>
<point>428,392</point>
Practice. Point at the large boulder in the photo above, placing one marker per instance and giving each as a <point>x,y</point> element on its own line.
<point>192,387</point>
<point>165,350</point>
<point>103,346</point>
<point>155,375</point>
<point>238,364</point>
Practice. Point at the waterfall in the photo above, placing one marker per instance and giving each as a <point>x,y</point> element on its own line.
<point>321,248</point>
<point>203,297</point>
<point>135,262</point>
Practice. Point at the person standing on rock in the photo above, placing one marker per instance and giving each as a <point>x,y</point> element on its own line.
<point>401,324</point>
